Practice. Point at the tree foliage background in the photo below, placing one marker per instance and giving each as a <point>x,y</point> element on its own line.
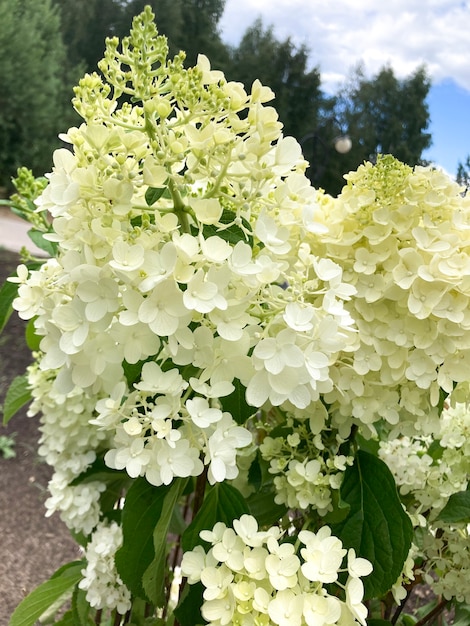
<point>463,173</point>
<point>383,115</point>
<point>36,80</point>
<point>50,43</point>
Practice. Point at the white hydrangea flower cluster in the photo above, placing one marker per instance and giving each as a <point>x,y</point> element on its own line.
<point>157,436</point>
<point>401,236</point>
<point>183,270</point>
<point>426,483</point>
<point>252,577</point>
<point>101,581</point>
<point>306,463</point>
<point>68,444</point>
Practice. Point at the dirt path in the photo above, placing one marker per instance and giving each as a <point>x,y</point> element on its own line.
<point>31,545</point>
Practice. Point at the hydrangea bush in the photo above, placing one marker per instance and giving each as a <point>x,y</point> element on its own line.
<point>253,396</point>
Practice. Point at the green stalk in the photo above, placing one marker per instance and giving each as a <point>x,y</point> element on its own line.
<point>179,206</point>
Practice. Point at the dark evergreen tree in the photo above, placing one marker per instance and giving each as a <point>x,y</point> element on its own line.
<point>36,86</point>
<point>85,24</point>
<point>283,67</point>
<point>383,115</point>
<point>190,25</point>
<point>463,173</point>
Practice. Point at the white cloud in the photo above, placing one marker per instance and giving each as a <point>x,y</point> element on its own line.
<point>340,33</point>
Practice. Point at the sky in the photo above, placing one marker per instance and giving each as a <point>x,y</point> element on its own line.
<point>404,34</point>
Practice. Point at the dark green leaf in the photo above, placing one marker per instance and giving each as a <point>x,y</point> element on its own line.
<point>32,339</point>
<point>237,405</point>
<point>177,524</point>
<point>442,398</point>
<point>188,611</point>
<point>132,371</point>
<point>435,450</point>
<point>39,600</point>
<point>457,509</point>
<point>98,470</point>
<point>378,622</point>
<point>368,445</point>
<point>8,293</point>
<point>113,492</point>
<point>340,510</point>
<point>255,475</point>
<point>223,503</point>
<point>37,237</point>
<point>81,610</point>
<point>116,483</point>
<point>141,512</point>
<point>377,526</point>
<point>263,507</point>
<point>153,579</point>
<point>233,233</point>
<point>153,194</point>
<point>17,396</point>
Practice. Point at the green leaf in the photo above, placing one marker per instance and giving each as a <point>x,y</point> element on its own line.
<point>37,237</point>
<point>67,620</point>
<point>377,527</point>
<point>39,600</point>
<point>81,609</point>
<point>340,510</point>
<point>462,614</point>
<point>435,450</point>
<point>237,405</point>
<point>457,509</point>
<point>177,524</point>
<point>32,339</point>
<point>255,474</point>
<point>140,514</point>
<point>132,371</point>
<point>368,445</point>
<point>8,293</point>
<point>116,481</point>
<point>233,233</point>
<point>17,396</point>
<point>263,507</point>
<point>188,611</point>
<point>153,579</point>
<point>223,503</point>
<point>442,398</point>
<point>378,622</point>
<point>153,194</point>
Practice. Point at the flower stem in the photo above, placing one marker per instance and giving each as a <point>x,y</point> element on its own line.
<point>434,613</point>
<point>179,206</point>
<point>199,492</point>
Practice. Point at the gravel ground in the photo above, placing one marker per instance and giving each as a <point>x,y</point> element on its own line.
<point>31,545</point>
